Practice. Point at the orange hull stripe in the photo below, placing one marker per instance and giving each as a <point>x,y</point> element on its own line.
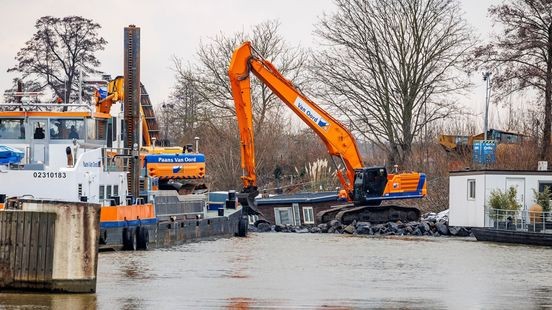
<point>130,213</point>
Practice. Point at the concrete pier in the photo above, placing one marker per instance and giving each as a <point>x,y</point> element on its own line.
<point>49,245</point>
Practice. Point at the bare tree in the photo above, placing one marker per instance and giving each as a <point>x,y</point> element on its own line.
<point>185,105</point>
<point>521,55</point>
<point>203,100</point>
<point>391,66</point>
<point>215,54</point>
<point>58,51</point>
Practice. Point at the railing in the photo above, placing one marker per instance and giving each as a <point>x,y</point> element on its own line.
<point>520,220</point>
<point>116,159</point>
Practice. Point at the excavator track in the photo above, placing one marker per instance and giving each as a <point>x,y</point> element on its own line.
<point>378,214</point>
<point>325,216</point>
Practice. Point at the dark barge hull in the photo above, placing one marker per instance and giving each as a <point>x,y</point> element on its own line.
<point>512,236</point>
<point>169,233</point>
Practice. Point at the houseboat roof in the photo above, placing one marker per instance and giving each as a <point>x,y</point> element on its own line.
<point>500,172</point>
<point>299,198</point>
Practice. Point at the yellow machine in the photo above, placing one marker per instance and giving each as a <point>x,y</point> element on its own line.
<point>116,92</point>
<point>367,187</point>
<point>166,163</point>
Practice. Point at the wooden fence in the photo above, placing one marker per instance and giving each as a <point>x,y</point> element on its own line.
<point>26,248</point>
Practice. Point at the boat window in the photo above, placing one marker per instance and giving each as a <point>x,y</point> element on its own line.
<point>66,129</point>
<point>12,128</point>
<point>97,129</point>
<point>114,121</point>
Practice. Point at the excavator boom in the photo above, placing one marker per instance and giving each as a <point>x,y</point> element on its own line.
<point>338,140</point>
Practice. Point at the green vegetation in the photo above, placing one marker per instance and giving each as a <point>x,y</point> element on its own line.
<point>543,198</point>
<point>503,201</point>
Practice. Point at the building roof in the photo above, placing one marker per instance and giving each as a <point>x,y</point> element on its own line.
<point>500,172</point>
<point>299,198</point>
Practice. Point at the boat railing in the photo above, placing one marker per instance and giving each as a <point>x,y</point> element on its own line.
<point>43,106</point>
<point>519,220</point>
<point>116,159</point>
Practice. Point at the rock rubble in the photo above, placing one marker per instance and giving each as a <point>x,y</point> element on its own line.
<point>430,225</point>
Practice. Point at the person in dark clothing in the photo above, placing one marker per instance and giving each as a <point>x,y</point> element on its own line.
<point>39,133</point>
<point>73,134</point>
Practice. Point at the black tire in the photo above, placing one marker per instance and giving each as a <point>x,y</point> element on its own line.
<point>242,227</point>
<point>129,242</point>
<point>103,236</point>
<point>142,238</point>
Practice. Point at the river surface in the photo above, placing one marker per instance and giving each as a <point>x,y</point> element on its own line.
<point>277,270</point>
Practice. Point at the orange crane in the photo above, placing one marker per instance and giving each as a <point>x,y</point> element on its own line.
<point>366,187</point>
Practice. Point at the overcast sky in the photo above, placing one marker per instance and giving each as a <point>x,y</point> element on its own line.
<point>176,28</point>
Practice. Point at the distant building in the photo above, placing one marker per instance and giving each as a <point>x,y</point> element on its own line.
<point>500,136</point>
<point>469,192</point>
<point>297,209</point>
<point>462,144</point>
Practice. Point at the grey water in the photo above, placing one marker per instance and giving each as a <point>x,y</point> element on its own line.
<point>277,270</point>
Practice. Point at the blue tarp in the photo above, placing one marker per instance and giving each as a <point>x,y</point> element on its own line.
<point>9,155</point>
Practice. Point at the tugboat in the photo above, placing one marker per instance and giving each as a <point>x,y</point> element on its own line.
<point>81,152</point>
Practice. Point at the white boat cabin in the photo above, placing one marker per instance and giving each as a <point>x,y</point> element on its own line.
<point>65,154</point>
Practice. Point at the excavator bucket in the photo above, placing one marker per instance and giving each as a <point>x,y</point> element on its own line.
<point>247,200</point>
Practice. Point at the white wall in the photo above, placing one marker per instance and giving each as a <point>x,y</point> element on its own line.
<point>464,211</point>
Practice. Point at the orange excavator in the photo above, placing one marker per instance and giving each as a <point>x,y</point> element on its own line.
<point>366,187</point>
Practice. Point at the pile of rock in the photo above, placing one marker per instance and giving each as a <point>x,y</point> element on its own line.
<point>426,227</point>
<point>430,227</point>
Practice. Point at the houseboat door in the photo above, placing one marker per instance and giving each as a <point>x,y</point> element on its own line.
<point>39,140</point>
<point>519,185</point>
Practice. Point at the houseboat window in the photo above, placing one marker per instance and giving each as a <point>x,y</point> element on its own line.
<point>115,190</point>
<point>12,128</point>
<point>102,192</point>
<point>471,189</point>
<point>66,129</point>
<point>108,194</point>
<point>97,129</point>
<point>308,215</point>
<point>282,216</point>
<point>39,130</point>
<point>542,185</point>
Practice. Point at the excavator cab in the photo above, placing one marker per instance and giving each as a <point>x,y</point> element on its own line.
<point>369,185</point>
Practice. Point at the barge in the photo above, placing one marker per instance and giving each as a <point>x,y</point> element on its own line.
<point>64,155</point>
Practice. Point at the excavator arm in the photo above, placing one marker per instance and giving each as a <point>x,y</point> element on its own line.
<point>339,141</point>
<point>366,187</point>
<point>116,92</point>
